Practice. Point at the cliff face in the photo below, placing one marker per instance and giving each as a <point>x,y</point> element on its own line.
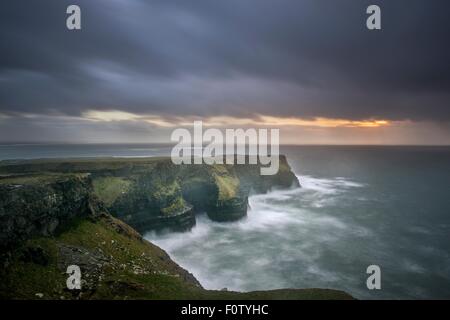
<point>147,200</point>
<point>55,219</point>
<point>253,182</point>
<point>115,263</point>
<point>41,205</point>
<point>153,193</point>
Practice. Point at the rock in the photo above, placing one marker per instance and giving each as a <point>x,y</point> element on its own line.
<point>43,205</point>
<point>229,210</point>
<point>90,262</point>
<point>121,287</point>
<point>148,194</point>
<point>35,255</point>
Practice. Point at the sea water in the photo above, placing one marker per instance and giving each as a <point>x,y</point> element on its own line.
<point>358,206</point>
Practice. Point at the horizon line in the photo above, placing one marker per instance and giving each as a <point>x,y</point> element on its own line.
<point>23,143</point>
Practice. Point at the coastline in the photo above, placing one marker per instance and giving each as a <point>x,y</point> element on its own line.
<point>89,228</point>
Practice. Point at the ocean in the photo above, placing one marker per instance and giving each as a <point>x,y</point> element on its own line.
<point>357,206</point>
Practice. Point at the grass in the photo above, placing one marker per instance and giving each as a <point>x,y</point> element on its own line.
<point>175,207</point>
<point>227,183</point>
<point>38,179</point>
<point>228,186</point>
<point>136,269</point>
<point>132,262</point>
<point>108,189</point>
<point>80,165</point>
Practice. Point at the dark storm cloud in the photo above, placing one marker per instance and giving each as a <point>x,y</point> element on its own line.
<point>275,57</point>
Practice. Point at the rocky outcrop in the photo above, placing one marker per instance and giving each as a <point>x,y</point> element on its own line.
<point>143,221</point>
<point>115,263</point>
<point>153,193</point>
<point>41,205</point>
<point>229,210</point>
<point>53,220</point>
<point>222,191</point>
<point>253,182</point>
<point>153,199</point>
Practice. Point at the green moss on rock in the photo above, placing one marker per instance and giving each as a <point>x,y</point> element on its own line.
<point>116,263</point>
<point>108,189</point>
<point>153,193</point>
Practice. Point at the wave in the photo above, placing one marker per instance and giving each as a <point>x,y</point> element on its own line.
<point>328,186</point>
<point>283,241</point>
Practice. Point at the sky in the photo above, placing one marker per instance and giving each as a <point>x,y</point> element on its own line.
<point>139,69</point>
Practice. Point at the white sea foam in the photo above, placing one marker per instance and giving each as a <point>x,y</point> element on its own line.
<point>328,186</point>
<point>282,231</point>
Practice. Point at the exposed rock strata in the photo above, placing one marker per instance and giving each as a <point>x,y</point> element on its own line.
<point>147,193</point>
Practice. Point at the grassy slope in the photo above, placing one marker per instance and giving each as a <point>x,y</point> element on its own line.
<point>136,269</point>
<point>108,189</point>
<point>37,179</point>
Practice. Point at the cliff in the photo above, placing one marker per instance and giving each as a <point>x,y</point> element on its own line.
<point>40,205</point>
<point>116,263</point>
<point>52,220</point>
<point>153,193</point>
